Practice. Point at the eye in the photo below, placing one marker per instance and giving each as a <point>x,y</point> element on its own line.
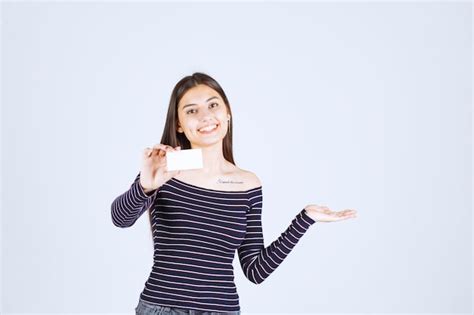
<point>190,111</point>
<point>217,104</point>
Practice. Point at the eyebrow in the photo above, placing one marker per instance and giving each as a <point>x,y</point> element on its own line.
<point>196,104</point>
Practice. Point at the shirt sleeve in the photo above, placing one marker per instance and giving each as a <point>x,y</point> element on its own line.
<point>129,206</point>
<point>258,261</point>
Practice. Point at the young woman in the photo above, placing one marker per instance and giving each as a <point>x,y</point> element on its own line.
<point>200,217</point>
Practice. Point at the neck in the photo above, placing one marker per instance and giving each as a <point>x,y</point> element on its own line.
<point>213,160</point>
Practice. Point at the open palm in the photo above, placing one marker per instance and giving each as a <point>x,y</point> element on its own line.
<point>324,214</point>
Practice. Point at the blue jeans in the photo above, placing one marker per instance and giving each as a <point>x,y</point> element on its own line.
<point>145,308</point>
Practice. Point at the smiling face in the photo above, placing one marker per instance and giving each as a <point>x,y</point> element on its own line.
<point>202,116</point>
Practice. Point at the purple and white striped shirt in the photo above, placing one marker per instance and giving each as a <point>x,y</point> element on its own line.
<point>196,231</point>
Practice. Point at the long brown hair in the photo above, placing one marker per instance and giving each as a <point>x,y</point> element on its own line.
<point>170,134</point>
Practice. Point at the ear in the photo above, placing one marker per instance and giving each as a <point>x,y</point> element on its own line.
<point>179,129</point>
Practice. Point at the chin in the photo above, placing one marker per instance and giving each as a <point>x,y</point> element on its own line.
<point>208,142</point>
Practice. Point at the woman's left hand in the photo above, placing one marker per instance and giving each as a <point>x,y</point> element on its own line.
<point>324,214</point>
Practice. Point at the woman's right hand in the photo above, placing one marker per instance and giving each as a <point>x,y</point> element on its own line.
<point>154,172</point>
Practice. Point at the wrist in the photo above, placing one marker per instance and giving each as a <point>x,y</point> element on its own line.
<point>146,190</point>
<point>310,214</point>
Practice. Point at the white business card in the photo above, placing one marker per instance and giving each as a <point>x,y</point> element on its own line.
<point>184,159</point>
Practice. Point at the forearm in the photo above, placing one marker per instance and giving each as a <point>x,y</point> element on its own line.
<point>130,205</point>
<point>259,262</point>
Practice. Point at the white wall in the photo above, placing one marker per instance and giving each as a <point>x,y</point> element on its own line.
<point>351,105</point>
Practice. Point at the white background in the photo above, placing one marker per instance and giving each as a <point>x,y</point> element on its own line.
<point>351,105</point>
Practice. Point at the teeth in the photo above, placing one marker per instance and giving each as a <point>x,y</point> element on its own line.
<point>208,128</point>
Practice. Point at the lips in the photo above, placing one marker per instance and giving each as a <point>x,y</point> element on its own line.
<point>208,129</point>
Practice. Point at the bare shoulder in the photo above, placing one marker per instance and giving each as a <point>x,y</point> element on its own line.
<point>251,179</point>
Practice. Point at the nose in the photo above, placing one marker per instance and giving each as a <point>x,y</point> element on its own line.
<point>205,115</point>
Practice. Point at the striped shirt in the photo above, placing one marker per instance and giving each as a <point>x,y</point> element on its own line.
<point>196,232</point>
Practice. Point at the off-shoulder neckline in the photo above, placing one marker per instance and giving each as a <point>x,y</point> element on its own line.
<point>215,190</point>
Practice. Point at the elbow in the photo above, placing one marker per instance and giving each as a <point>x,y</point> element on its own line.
<point>120,224</point>
<point>256,281</point>
<point>252,274</point>
<point>118,221</point>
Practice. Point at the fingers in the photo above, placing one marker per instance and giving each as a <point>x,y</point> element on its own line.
<point>159,150</point>
<point>147,152</point>
<point>347,214</point>
<point>350,213</point>
<point>340,215</point>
